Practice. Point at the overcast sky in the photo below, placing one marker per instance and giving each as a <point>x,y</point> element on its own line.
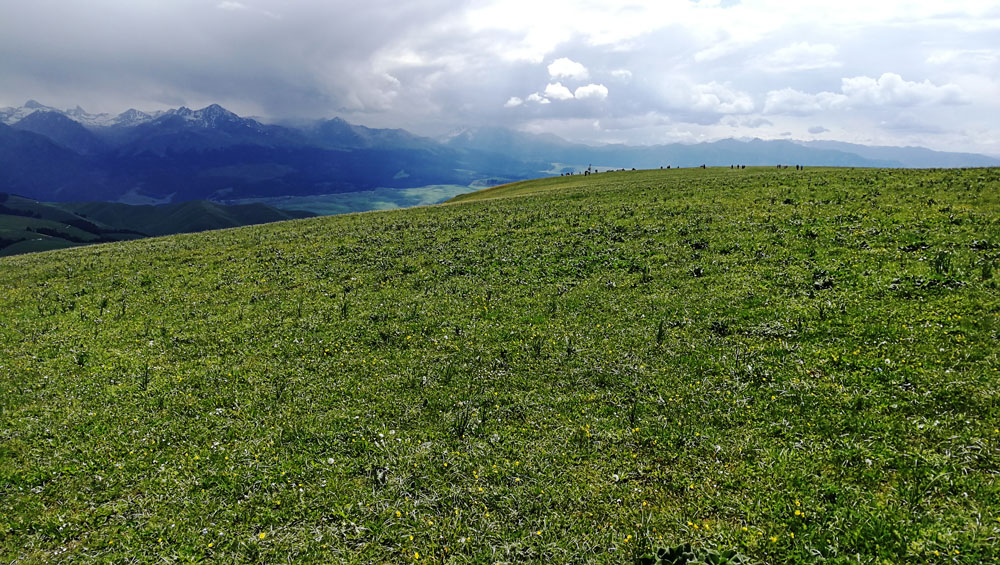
<point>869,71</point>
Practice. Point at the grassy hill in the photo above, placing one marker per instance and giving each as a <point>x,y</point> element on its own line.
<point>27,225</point>
<point>791,365</point>
<point>182,217</point>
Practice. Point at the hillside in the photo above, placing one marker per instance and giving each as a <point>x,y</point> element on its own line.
<point>27,225</point>
<point>182,217</point>
<point>794,365</point>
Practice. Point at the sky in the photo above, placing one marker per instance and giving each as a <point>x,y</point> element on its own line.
<point>883,72</point>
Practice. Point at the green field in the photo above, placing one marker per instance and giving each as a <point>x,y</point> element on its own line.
<point>790,365</point>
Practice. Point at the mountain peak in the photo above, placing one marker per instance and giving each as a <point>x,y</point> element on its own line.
<point>214,113</point>
<point>35,105</point>
<point>131,117</point>
<point>214,109</point>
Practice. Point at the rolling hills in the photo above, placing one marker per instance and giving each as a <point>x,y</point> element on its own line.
<point>791,365</point>
<point>27,225</point>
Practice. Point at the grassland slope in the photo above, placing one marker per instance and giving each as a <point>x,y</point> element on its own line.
<point>793,365</point>
<point>182,217</point>
<point>27,225</point>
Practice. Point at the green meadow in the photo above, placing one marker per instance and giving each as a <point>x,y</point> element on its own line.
<point>760,365</point>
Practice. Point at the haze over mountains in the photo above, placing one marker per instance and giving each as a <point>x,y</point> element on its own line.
<point>213,154</point>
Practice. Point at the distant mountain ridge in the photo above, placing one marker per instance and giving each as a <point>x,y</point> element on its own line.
<point>214,154</point>
<point>908,157</point>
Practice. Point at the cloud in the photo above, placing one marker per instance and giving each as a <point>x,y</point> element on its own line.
<point>538,98</point>
<point>622,74</point>
<point>801,56</point>
<point>798,103</point>
<point>557,91</point>
<point>567,68</point>
<point>591,91</point>
<point>752,122</point>
<point>966,58</point>
<point>432,66</point>
<point>816,130</point>
<point>891,89</point>
<point>907,122</point>
<point>233,6</point>
<point>858,92</point>
<point>719,98</point>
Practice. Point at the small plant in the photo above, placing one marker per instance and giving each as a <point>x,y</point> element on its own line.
<point>942,263</point>
<point>646,276</point>
<point>448,374</point>
<point>570,347</point>
<point>720,328</point>
<point>685,554</point>
<point>536,345</point>
<point>464,419</point>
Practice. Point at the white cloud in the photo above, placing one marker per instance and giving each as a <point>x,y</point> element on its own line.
<point>567,68</point>
<point>857,92</point>
<point>595,91</point>
<point>513,102</point>
<point>558,92</point>
<point>536,97</point>
<point>798,103</point>
<point>622,74</point>
<point>720,99</point>
<point>974,58</point>
<point>801,56</point>
<point>891,89</point>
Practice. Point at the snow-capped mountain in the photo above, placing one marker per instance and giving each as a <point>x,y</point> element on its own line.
<point>131,117</point>
<point>11,115</point>
<point>63,130</point>
<point>213,116</point>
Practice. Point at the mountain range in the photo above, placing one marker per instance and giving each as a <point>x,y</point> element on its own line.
<point>213,154</point>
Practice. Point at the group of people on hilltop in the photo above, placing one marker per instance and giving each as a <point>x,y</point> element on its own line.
<point>590,171</point>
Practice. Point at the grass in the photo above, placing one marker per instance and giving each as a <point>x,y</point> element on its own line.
<point>791,365</point>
